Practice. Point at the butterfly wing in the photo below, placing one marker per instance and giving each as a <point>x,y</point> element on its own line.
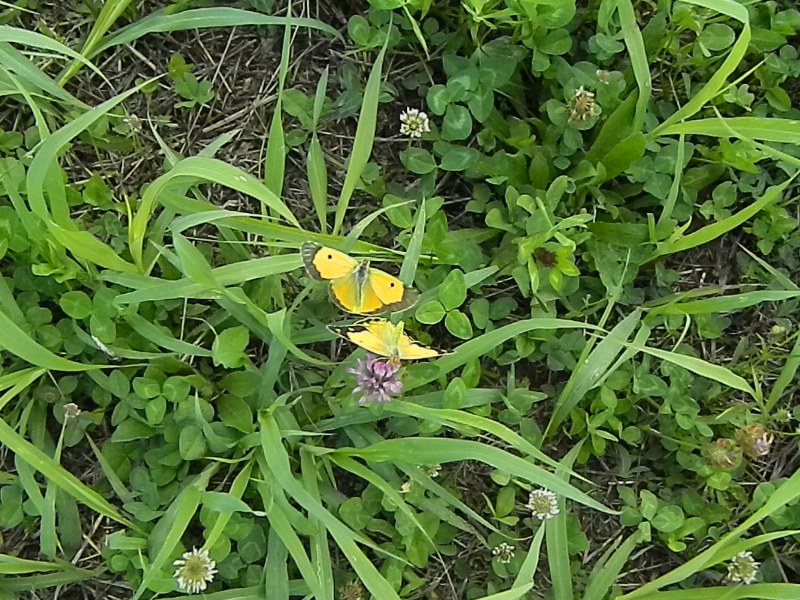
<point>327,264</point>
<point>383,338</point>
<point>374,336</point>
<point>354,287</point>
<point>410,349</point>
<point>383,292</point>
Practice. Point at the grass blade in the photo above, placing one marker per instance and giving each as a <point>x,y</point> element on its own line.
<point>719,78</point>
<point>275,160</point>
<point>200,169</point>
<point>176,521</point>
<point>201,18</point>
<point>719,228</point>
<point>590,371</point>
<point>364,138</point>
<point>20,344</point>
<point>728,545</point>
<point>556,537</point>
<point>278,462</point>
<point>55,473</point>
<point>477,347</point>
<point>109,14</point>
<point>316,168</point>
<point>430,451</point>
<point>639,64</point>
<point>784,131</point>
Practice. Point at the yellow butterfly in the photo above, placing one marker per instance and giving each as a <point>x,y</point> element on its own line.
<point>356,287</point>
<point>384,338</point>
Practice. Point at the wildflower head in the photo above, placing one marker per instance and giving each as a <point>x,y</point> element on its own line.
<point>376,380</point>
<point>543,504</point>
<point>352,590</point>
<point>432,471</point>
<point>603,76</point>
<point>581,106</point>
<point>195,571</point>
<point>754,440</point>
<point>723,454</point>
<point>414,122</point>
<point>504,552</point>
<point>743,568</point>
<point>71,411</point>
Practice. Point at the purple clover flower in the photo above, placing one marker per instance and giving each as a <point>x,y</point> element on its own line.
<point>376,380</point>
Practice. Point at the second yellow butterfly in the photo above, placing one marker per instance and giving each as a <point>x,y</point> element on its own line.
<point>383,338</point>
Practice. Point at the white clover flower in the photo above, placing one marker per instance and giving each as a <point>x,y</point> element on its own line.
<point>414,122</point>
<point>743,568</point>
<point>195,571</point>
<point>543,504</point>
<point>504,552</point>
<point>581,106</point>
<point>71,411</point>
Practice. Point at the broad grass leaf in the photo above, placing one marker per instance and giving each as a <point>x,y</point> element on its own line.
<point>169,530</point>
<point>201,18</point>
<point>556,538</point>
<point>364,138</point>
<point>729,544</point>
<point>278,461</point>
<point>639,62</point>
<point>719,78</point>
<point>717,229</point>
<point>477,347</point>
<point>588,373</point>
<point>428,451</point>
<point>199,169</point>
<point>55,473</point>
<point>19,343</point>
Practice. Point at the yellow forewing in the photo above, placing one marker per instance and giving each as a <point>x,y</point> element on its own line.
<point>327,264</point>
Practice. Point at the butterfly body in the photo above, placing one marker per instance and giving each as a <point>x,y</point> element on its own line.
<point>386,339</point>
<point>354,285</point>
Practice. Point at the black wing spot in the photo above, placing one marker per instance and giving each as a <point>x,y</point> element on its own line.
<point>330,256</point>
<point>391,284</point>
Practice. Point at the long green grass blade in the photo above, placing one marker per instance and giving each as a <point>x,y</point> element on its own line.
<point>528,570</point>
<point>589,371</point>
<point>320,549</point>
<point>20,344</point>
<point>55,473</point>
<point>719,78</point>
<point>430,451</point>
<point>45,158</point>
<point>278,461</point>
<point>199,169</point>
<point>784,131</point>
<point>171,528</point>
<point>201,18</point>
<point>755,591</point>
<point>477,347</point>
<point>728,545</point>
<point>275,159</point>
<point>714,230</point>
<point>639,64</point>
<point>608,568</point>
<point>364,138</point>
<point>111,11</point>
<point>556,537</point>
